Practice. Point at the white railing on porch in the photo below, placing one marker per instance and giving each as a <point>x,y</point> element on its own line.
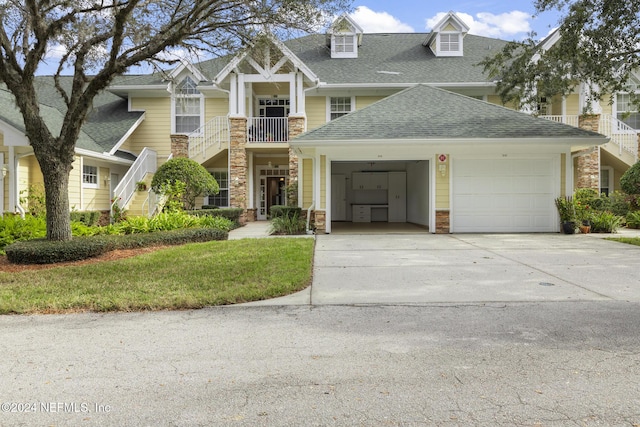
<point>213,133</point>
<point>622,135</point>
<point>267,129</point>
<point>147,162</point>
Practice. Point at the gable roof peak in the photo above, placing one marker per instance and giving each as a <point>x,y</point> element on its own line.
<point>336,26</point>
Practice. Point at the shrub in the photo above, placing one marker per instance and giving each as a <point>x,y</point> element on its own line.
<point>630,180</point>
<point>218,222</point>
<point>277,211</point>
<point>633,219</point>
<point>47,252</point>
<point>13,228</point>
<point>89,218</point>
<point>566,209</point>
<point>198,181</point>
<point>232,214</point>
<point>605,222</point>
<point>620,203</point>
<point>288,225</point>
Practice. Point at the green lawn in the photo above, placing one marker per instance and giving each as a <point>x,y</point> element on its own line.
<point>628,240</point>
<point>185,277</point>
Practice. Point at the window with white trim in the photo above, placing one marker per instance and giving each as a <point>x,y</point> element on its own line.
<point>90,176</point>
<point>339,106</point>
<point>627,109</point>
<point>344,43</point>
<point>187,106</point>
<point>222,198</point>
<point>450,42</point>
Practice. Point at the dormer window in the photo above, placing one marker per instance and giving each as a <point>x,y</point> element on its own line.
<point>450,42</point>
<point>447,37</point>
<point>344,37</point>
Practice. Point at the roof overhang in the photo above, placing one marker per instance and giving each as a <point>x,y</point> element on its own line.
<point>156,90</point>
<point>103,156</point>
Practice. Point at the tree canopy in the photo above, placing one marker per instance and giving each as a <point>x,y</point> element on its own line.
<point>598,43</point>
<point>99,40</point>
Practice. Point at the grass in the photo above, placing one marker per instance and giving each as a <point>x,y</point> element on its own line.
<point>628,240</point>
<point>185,277</point>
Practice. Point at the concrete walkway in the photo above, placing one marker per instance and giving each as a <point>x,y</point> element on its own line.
<point>251,230</point>
<point>467,268</point>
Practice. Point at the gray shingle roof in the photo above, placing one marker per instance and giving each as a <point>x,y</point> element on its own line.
<point>424,112</point>
<point>395,53</point>
<point>106,124</point>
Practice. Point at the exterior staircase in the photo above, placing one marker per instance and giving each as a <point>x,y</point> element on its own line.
<point>139,202</point>
<point>210,140</point>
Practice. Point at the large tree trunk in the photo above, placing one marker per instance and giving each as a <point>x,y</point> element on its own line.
<point>56,189</point>
<point>55,171</point>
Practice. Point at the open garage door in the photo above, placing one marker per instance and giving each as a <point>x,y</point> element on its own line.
<point>504,195</point>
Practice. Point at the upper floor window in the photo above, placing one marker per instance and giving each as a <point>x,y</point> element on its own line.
<point>339,106</point>
<point>90,176</point>
<point>345,36</point>
<point>187,106</point>
<point>450,42</point>
<point>627,110</point>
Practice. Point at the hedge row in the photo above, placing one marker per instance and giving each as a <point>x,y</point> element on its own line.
<point>41,251</point>
<point>232,214</point>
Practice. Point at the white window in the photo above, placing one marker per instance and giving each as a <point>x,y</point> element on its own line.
<point>339,106</point>
<point>449,42</point>
<point>222,198</point>
<point>627,110</point>
<point>90,176</point>
<point>606,180</point>
<point>344,46</point>
<point>187,107</point>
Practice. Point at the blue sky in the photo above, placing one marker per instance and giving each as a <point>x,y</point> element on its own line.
<point>509,20</point>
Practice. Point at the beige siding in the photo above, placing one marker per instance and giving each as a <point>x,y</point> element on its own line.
<point>75,183</point>
<point>573,104</point>
<point>215,107</point>
<point>494,99</point>
<point>323,182</point>
<point>316,107</point>
<point>563,174</point>
<point>269,89</point>
<point>155,130</point>
<point>307,183</point>
<point>97,198</point>
<point>365,101</point>
<point>442,187</point>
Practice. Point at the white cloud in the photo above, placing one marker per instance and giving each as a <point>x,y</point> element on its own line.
<point>379,22</point>
<point>55,51</point>
<point>504,25</point>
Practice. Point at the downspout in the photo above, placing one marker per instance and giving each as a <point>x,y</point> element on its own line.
<point>311,207</point>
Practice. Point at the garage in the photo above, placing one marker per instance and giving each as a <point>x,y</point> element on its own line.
<point>505,194</point>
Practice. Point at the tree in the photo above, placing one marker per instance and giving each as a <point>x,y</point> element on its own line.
<point>598,44</point>
<point>630,180</point>
<point>103,39</point>
<point>195,178</point>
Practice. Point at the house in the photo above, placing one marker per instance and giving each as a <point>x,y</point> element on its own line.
<point>362,127</point>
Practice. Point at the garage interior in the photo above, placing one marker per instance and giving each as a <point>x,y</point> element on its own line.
<point>380,196</point>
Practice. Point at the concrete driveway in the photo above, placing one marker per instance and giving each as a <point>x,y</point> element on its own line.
<point>467,268</point>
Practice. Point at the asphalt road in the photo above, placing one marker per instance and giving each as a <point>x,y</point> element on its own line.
<point>534,364</point>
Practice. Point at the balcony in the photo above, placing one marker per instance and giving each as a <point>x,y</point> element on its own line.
<point>267,130</point>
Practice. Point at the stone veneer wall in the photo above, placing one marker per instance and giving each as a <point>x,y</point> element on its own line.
<point>296,127</point>
<point>442,222</point>
<point>238,164</point>
<point>179,145</point>
<point>588,167</point>
<point>320,221</point>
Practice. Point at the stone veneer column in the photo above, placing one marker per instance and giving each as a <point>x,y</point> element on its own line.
<point>320,221</point>
<point>296,127</point>
<point>179,145</point>
<point>588,167</point>
<point>238,164</point>
<point>442,222</point>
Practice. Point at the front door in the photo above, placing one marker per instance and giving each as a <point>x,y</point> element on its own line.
<point>271,187</point>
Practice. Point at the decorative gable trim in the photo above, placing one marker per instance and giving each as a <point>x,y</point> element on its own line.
<point>447,36</point>
<point>287,55</point>
<point>190,68</point>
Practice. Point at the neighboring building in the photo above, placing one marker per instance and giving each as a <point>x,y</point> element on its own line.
<point>371,127</point>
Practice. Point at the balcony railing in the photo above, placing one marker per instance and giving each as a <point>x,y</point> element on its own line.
<point>622,135</point>
<point>267,129</point>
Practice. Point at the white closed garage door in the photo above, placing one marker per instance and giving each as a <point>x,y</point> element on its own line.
<point>504,195</point>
